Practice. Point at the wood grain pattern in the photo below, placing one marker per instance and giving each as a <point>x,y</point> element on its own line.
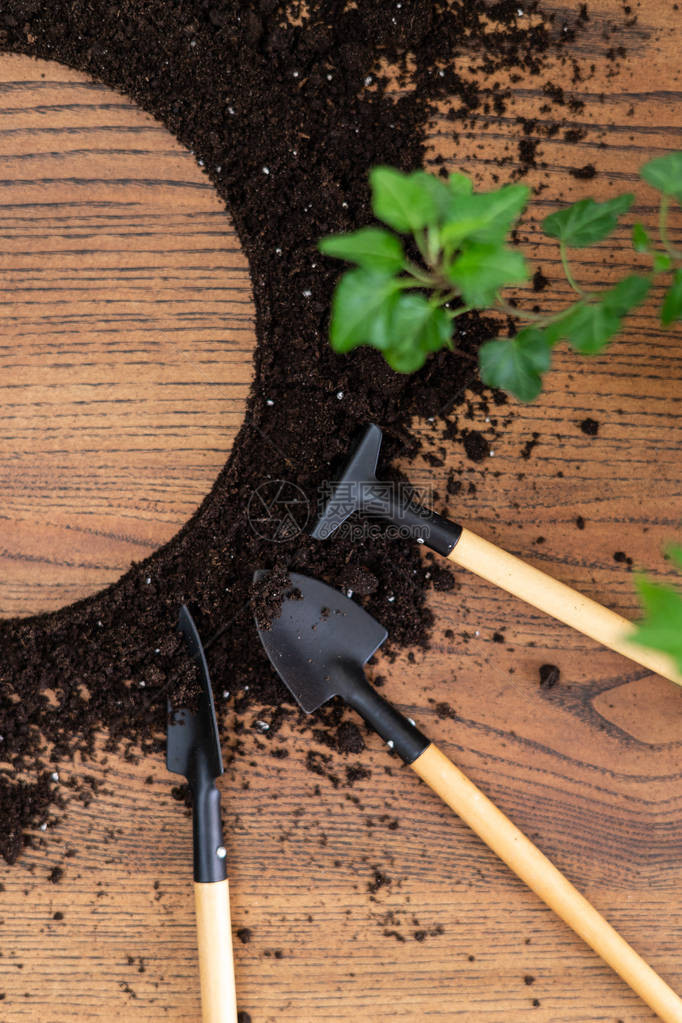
<point>127,335</point>
<point>590,769</point>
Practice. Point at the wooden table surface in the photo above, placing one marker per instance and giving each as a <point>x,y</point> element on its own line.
<point>374,903</point>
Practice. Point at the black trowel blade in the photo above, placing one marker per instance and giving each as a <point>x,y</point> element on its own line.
<point>318,634</point>
<point>191,733</point>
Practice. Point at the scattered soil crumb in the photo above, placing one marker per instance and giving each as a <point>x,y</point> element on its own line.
<point>584,173</point>
<point>476,446</point>
<point>549,676</point>
<point>590,427</point>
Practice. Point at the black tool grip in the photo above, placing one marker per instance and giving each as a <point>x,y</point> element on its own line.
<point>394,728</point>
<point>415,522</point>
<point>210,862</point>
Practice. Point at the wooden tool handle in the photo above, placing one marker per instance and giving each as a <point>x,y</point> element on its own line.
<point>533,867</point>
<point>216,967</point>
<point>556,599</point>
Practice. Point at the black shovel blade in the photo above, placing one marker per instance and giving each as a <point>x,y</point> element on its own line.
<point>190,736</point>
<point>319,636</point>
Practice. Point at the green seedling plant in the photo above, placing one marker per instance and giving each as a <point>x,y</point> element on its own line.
<point>661,627</point>
<point>406,308</point>
<point>405,303</point>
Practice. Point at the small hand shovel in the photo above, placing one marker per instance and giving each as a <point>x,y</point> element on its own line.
<point>358,489</point>
<point>318,646</point>
<point>193,750</point>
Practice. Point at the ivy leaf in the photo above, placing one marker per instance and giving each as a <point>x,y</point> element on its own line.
<point>484,217</point>
<point>672,303</point>
<point>641,242</point>
<point>361,301</point>
<point>371,247</point>
<point>661,627</point>
<point>417,328</point>
<point>589,327</point>
<point>665,174</point>
<point>481,270</point>
<point>587,221</point>
<point>627,294</point>
<point>402,201</point>
<point>516,365</point>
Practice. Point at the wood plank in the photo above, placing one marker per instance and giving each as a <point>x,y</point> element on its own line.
<point>127,335</point>
<point>590,768</point>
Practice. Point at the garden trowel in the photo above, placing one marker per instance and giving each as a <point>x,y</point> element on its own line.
<point>319,645</point>
<point>358,489</point>
<point>193,750</point>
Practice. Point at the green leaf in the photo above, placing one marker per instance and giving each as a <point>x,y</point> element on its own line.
<point>371,247</point>
<point>672,303</point>
<point>589,327</point>
<point>437,189</point>
<point>460,184</point>
<point>641,242</point>
<point>665,174</point>
<point>402,201</point>
<point>587,221</point>
<point>417,329</point>
<point>662,262</point>
<point>661,627</point>
<point>627,294</point>
<point>361,301</point>
<point>484,217</point>
<point>516,365</point>
<point>481,270</point>
<point>674,552</point>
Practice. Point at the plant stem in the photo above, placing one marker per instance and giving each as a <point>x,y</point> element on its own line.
<point>567,270</point>
<point>454,313</point>
<point>420,240</point>
<point>425,279</point>
<point>518,314</point>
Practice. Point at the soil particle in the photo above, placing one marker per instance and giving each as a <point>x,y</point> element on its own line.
<point>58,915</point>
<point>476,446</point>
<point>590,427</point>
<point>549,676</point>
<point>349,739</point>
<point>244,935</point>
<point>580,522</point>
<point>56,874</point>
<point>379,881</point>
<point>622,558</point>
<point>530,444</point>
<point>444,710</point>
<point>585,173</point>
<point>244,91</point>
<point>243,1017</point>
<point>356,772</point>
<point>540,282</point>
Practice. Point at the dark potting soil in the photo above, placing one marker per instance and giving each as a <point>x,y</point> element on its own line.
<point>287,108</point>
